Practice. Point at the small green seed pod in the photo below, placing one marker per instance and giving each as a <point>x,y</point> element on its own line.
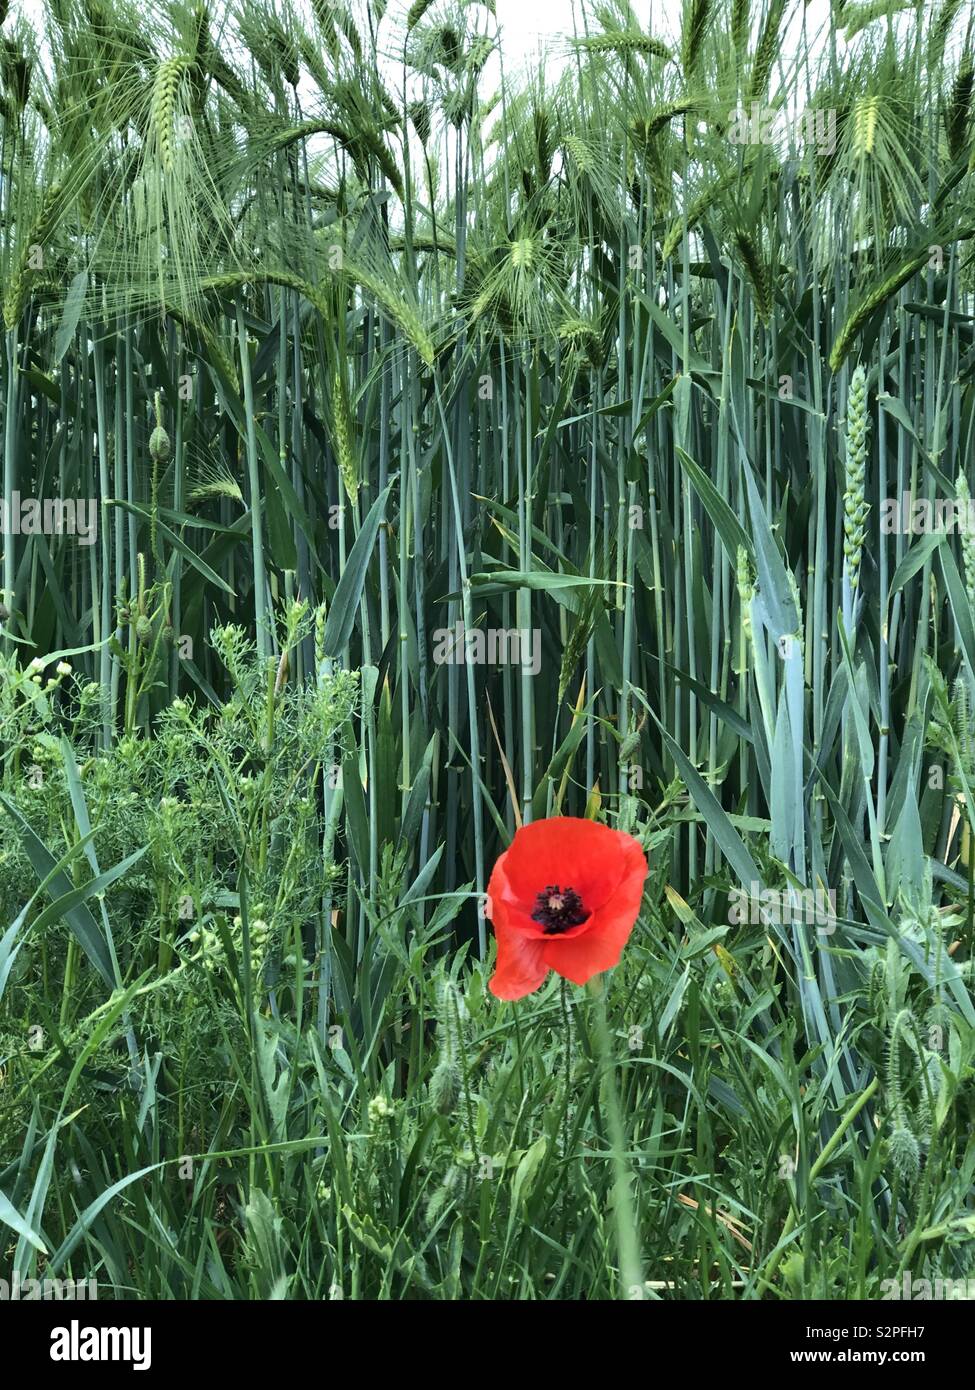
<point>159,445</point>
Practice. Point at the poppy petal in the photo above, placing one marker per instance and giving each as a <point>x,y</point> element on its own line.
<point>599,948</point>
<point>569,851</point>
<point>520,967</point>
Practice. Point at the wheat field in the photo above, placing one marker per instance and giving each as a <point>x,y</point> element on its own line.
<point>403,445</point>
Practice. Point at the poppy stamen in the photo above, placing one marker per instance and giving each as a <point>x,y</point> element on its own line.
<point>558,909</point>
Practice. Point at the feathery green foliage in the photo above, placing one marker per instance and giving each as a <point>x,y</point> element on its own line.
<point>348,337</point>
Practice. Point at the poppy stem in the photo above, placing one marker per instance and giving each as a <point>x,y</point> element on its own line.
<point>566,1017</point>
<point>518,1046</point>
<point>624,1211</point>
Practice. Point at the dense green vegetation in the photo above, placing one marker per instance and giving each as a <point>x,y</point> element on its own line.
<point>336,333</point>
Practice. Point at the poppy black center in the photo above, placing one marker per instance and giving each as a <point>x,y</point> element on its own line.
<point>558,909</point>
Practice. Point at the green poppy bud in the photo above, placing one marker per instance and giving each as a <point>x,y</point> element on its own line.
<point>159,445</point>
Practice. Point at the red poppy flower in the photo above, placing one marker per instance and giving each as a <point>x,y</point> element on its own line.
<point>564,897</point>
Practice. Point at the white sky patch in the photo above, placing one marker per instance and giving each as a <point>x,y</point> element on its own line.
<point>530,29</point>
